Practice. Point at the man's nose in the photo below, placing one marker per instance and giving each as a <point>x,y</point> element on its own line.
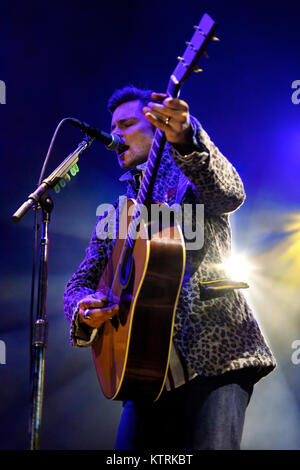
<point>117,131</point>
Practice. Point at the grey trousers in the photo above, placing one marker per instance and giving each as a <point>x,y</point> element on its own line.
<point>205,413</point>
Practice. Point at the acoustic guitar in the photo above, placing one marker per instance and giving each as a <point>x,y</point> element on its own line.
<point>144,274</point>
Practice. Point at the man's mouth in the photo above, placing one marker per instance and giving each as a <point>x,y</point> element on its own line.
<point>122,149</point>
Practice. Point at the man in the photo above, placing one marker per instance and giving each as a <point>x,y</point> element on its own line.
<point>218,351</point>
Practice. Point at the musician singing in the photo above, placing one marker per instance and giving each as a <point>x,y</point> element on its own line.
<point>218,352</point>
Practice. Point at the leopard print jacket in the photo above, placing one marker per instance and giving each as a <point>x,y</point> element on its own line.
<point>213,335</point>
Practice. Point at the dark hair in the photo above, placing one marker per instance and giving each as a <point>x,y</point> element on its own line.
<point>128,93</point>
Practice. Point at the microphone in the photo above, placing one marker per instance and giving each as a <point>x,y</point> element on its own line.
<point>112,142</point>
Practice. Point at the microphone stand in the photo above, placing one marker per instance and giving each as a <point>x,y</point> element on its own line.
<point>39,329</point>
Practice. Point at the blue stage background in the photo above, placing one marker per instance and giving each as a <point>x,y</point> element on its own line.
<point>65,59</point>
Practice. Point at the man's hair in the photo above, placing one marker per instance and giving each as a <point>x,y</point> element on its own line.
<point>128,93</point>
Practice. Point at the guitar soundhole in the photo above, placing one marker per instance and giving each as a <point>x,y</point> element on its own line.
<point>127,276</point>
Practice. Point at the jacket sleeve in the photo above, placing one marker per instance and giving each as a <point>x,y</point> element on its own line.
<point>213,177</point>
<point>86,278</point>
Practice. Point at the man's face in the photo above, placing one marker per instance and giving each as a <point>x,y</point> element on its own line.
<point>129,122</point>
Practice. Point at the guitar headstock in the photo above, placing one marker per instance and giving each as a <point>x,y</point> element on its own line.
<point>204,32</point>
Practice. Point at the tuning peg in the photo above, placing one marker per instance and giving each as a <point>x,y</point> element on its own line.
<point>188,43</point>
<point>181,59</point>
<point>200,30</point>
<point>196,70</point>
<point>206,55</point>
<point>214,38</point>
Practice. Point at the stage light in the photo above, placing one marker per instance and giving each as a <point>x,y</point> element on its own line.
<point>239,268</point>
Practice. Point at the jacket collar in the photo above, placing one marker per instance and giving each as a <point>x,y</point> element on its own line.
<point>130,174</point>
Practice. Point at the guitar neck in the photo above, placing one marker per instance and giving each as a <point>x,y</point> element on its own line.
<point>145,192</point>
<point>187,64</point>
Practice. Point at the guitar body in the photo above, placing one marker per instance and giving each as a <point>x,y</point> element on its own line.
<point>131,353</point>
